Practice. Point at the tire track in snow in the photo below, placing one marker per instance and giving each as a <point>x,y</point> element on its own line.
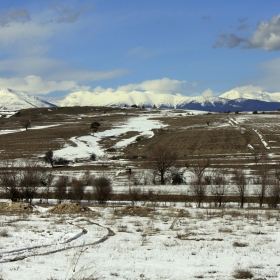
<point>84,231</point>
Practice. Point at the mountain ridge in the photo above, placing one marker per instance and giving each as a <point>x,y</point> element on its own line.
<point>229,101</point>
<point>16,100</point>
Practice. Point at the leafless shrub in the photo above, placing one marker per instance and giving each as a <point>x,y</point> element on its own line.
<point>61,188</point>
<point>225,230</point>
<point>133,211</point>
<point>135,195</point>
<point>161,161</point>
<point>21,181</point>
<point>241,182</point>
<point>88,178</point>
<point>102,189</point>
<point>177,177</point>
<point>274,195</point>
<point>218,187</point>
<point>234,213</point>
<point>122,228</point>
<point>199,190</point>
<point>242,274</point>
<point>239,244</point>
<point>93,157</point>
<point>263,180</point>
<point>77,189</point>
<point>26,124</point>
<point>48,158</point>
<point>4,233</point>
<point>197,183</point>
<point>48,185</point>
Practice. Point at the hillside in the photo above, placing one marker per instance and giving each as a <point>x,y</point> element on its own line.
<point>127,136</point>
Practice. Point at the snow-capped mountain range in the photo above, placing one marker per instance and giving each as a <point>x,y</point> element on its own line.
<point>233,100</point>
<point>15,100</point>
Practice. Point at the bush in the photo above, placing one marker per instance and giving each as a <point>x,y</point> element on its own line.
<point>93,157</point>
<point>4,233</point>
<point>102,189</point>
<point>242,274</point>
<point>62,161</point>
<point>240,244</point>
<point>95,126</point>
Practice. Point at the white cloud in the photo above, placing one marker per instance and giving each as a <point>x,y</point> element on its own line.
<point>52,70</point>
<point>266,37</point>
<point>164,85</point>
<point>27,38</point>
<point>207,93</point>
<point>36,85</point>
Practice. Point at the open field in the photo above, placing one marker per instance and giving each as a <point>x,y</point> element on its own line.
<point>230,140</point>
<point>144,242</point>
<point>148,230</point>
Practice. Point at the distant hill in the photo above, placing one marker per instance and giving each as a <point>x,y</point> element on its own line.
<point>16,100</point>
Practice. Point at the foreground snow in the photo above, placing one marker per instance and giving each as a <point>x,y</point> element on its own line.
<point>155,243</point>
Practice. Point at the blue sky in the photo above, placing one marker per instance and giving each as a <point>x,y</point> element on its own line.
<point>190,47</point>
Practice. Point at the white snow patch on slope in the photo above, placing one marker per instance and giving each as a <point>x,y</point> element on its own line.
<point>261,137</point>
<point>87,145</point>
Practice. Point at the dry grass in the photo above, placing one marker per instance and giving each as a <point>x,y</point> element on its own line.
<point>142,211</point>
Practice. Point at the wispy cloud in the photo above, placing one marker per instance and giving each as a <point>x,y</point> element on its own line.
<point>14,15</point>
<point>266,37</point>
<point>64,13</point>
<point>27,39</point>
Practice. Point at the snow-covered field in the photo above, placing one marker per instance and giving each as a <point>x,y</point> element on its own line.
<point>144,243</point>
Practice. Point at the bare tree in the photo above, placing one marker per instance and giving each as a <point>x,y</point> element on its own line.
<point>60,187</point>
<point>88,178</point>
<point>102,189</point>
<point>177,176</point>
<point>10,180</point>
<point>263,180</point>
<point>198,183</point>
<point>218,187</point>
<point>32,177</point>
<point>48,184</point>
<point>95,125</point>
<point>135,195</point>
<point>161,161</point>
<point>274,194</point>
<point>26,124</point>
<point>198,168</point>
<point>240,181</point>
<point>48,158</point>
<point>199,190</point>
<point>78,189</point>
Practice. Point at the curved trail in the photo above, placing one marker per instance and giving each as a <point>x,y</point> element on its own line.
<point>84,231</point>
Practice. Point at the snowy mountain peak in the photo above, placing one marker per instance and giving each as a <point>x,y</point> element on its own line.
<point>16,100</point>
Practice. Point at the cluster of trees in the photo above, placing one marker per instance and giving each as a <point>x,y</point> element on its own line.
<point>28,180</point>
<point>22,181</point>
<point>214,184</point>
